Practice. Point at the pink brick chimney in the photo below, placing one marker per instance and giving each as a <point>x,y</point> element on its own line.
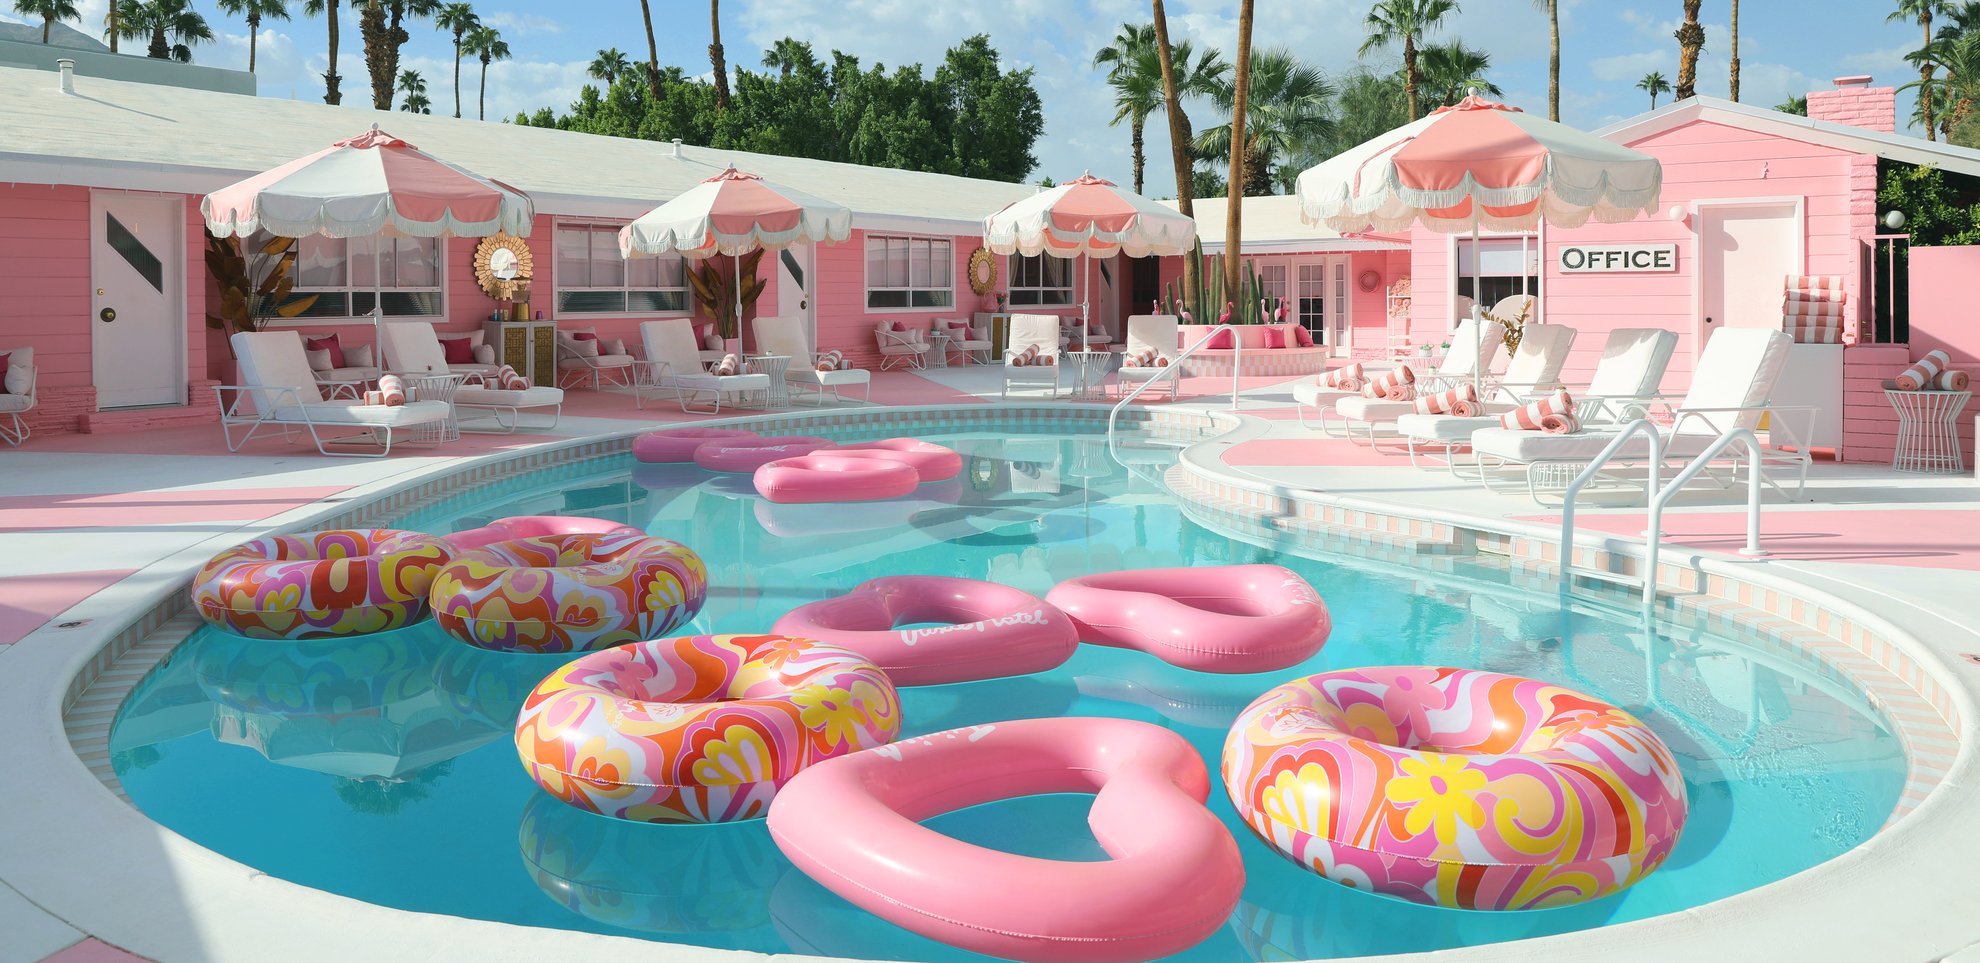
<point>1856,103</point>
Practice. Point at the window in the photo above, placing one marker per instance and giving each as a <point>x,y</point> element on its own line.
<point>1041,281</point>
<point>1511,265</point>
<point>348,275</point>
<point>909,272</point>
<point>592,278</point>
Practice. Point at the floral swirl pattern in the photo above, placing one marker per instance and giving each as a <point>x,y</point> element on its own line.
<point>701,728</point>
<point>569,593</point>
<point>1454,787</point>
<point>316,585</point>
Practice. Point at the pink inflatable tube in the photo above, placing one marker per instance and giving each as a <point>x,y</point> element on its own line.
<point>993,631</point>
<point>533,526</point>
<point>826,477</point>
<point>749,454</point>
<point>932,462</point>
<point>1173,880</point>
<point>1223,618</point>
<point>679,444</point>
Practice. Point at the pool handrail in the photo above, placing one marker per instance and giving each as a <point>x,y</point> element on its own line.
<point>1654,534</point>
<point>1642,426</point>
<point>1175,371</point>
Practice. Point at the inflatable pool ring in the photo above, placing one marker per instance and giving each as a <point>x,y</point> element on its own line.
<point>679,444</point>
<point>536,526</point>
<point>314,585</point>
<point>749,454</point>
<point>1214,618</point>
<point>1455,787</point>
<point>1174,875</point>
<point>569,593</point>
<point>930,461</point>
<point>701,728</point>
<point>827,477</point>
<point>992,630</point>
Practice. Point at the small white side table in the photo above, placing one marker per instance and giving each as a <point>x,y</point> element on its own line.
<point>938,350</point>
<point>774,365</point>
<point>424,386</point>
<point>1091,371</point>
<point>1928,433</point>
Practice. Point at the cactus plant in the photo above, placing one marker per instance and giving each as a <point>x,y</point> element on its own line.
<point>1249,304</point>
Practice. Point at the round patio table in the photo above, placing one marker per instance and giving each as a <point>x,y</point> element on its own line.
<point>1090,371</point>
<point>774,365</point>
<point>938,350</point>
<point>1928,433</point>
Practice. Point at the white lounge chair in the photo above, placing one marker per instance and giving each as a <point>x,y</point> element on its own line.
<point>1042,332</point>
<point>1097,336</point>
<point>971,350</point>
<point>577,365</point>
<point>13,404</point>
<point>1158,332</point>
<point>481,368</point>
<point>1469,355</point>
<point>907,349</point>
<point>413,350</point>
<point>782,335</point>
<point>282,392</point>
<point>1734,378</point>
<point>1543,350</point>
<point>673,362</point>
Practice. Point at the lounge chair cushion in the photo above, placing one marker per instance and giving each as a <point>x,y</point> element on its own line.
<point>599,361</point>
<point>16,402</point>
<point>535,396</point>
<point>1447,429</point>
<point>1632,364</point>
<point>828,379</point>
<point>352,413</point>
<point>1531,446</point>
<point>1319,396</point>
<point>722,383</point>
<point>1358,408</point>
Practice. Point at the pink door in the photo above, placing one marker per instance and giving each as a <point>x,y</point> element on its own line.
<point>1745,252</point>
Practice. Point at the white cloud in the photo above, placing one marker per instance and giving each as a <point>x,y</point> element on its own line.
<point>1630,68</point>
<point>522,24</point>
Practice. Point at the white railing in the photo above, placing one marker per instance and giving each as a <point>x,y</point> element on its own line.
<point>1175,371</point>
<point>1641,426</point>
<point>1654,535</point>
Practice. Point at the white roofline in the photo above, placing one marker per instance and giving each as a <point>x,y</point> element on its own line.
<point>1897,147</point>
<point>1316,246</point>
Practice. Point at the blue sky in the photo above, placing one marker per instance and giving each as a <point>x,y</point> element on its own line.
<point>1787,47</point>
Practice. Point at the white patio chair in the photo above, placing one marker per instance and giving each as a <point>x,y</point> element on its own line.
<point>1097,335</point>
<point>1467,356</point>
<point>971,350</point>
<point>902,348</point>
<point>1734,378</point>
<point>673,362</point>
<point>1542,353</point>
<point>576,365</point>
<point>413,350</point>
<point>1033,330</point>
<point>281,391</point>
<point>783,335</point>
<point>15,403</point>
<point>1158,332</point>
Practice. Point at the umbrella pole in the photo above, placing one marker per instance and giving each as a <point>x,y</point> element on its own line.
<point>1085,297</point>
<point>737,258</point>
<point>1477,308</point>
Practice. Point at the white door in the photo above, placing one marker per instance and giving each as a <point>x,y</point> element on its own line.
<point>138,308</point>
<point>794,284</point>
<point>1745,252</point>
<point>1322,304</point>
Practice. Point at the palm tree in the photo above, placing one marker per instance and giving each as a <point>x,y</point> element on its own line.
<point>487,45</point>
<point>1732,86</point>
<point>609,65</point>
<point>414,87</point>
<point>111,23</point>
<point>1793,105</point>
<point>652,51</point>
<point>257,11</point>
<point>1135,92</point>
<point>1448,70</point>
<point>1240,108</point>
<point>715,55</point>
<point>789,54</point>
<point>1287,119</point>
<point>1553,9</point>
<point>1179,145</point>
<point>383,26</point>
<point>328,10</point>
<point>459,18</point>
<point>1922,12</point>
<point>49,11</point>
<point>1691,42</point>
<point>172,26</point>
<point>1655,84</point>
<point>1403,23</point>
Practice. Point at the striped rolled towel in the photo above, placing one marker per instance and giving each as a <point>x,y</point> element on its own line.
<point>1813,330</point>
<point>830,360</point>
<point>1951,381</point>
<point>1923,370</point>
<point>1398,384</point>
<point>1529,417</point>
<point>372,399</point>
<point>731,364</point>
<point>1461,401</point>
<point>391,390</point>
<point>1145,358</point>
<point>1349,378</point>
<point>1026,358</point>
<point>1811,309</point>
<point>1560,423</point>
<point>508,379</point>
<point>1824,286</point>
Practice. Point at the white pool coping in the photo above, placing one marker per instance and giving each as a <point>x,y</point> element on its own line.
<point>75,852</point>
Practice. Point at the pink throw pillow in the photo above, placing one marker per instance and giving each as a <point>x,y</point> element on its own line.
<point>1221,341</point>
<point>327,343</point>
<point>4,358</point>
<point>584,336</point>
<point>1275,338</point>
<point>458,350</point>
<point>900,326</point>
<point>1302,337</point>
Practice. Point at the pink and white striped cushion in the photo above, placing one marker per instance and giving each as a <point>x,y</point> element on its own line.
<point>1398,384</point>
<point>1813,330</point>
<point>1924,370</point>
<point>1461,401</point>
<point>1812,309</point>
<point>1826,286</point>
<point>1529,417</point>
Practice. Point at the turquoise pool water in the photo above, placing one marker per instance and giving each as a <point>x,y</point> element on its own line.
<point>382,768</point>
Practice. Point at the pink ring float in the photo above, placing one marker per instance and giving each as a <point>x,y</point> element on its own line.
<point>828,477</point>
<point>930,461</point>
<point>993,631</point>
<point>679,444</point>
<point>1222,618</point>
<point>749,454</point>
<point>1173,880</point>
<point>535,526</point>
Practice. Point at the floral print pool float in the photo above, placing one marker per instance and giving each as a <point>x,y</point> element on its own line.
<point>569,593</point>
<point>314,585</point>
<point>1455,787</point>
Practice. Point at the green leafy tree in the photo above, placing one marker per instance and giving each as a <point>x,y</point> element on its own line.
<point>1793,105</point>
<point>171,26</point>
<point>1654,84</point>
<point>990,118</point>
<point>1920,12</point>
<point>610,65</point>
<point>49,11</point>
<point>1938,208</point>
<point>414,87</point>
<point>1450,70</point>
<point>458,19</point>
<point>256,11</point>
<point>1287,121</point>
<point>487,46</point>
<point>1368,105</point>
<point>1403,24</point>
<point>1137,89</point>
<point>327,9</point>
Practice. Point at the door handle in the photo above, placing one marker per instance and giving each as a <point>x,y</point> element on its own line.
<point>107,314</point>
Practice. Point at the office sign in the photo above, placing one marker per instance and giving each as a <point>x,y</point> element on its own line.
<point>1619,258</point>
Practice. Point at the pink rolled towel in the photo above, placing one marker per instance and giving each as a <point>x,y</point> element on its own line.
<point>1560,423</point>
<point>1349,378</point>
<point>508,379</point>
<point>1531,417</point>
<point>1461,401</point>
<point>1396,385</point>
<point>1811,309</point>
<point>1923,370</point>
<point>1951,381</point>
<point>392,390</point>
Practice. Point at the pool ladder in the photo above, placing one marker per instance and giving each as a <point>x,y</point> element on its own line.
<point>1175,372</point>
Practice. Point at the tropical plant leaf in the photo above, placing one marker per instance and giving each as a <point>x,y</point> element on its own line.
<point>282,289</point>
<point>298,306</point>
<point>278,245</point>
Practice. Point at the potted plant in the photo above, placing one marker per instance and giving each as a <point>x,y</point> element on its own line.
<point>715,296</point>
<point>255,287</point>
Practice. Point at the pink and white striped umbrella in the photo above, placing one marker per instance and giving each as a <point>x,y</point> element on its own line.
<point>735,213</point>
<point>373,183</point>
<point>1088,215</point>
<point>1480,164</point>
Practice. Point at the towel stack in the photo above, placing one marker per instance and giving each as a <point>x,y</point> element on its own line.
<point>1553,414</point>
<point>1934,372</point>
<point>1812,309</point>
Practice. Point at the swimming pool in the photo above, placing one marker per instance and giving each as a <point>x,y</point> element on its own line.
<point>382,769</point>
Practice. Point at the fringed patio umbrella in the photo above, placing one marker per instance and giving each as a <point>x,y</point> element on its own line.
<point>1088,216</point>
<point>1480,163</point>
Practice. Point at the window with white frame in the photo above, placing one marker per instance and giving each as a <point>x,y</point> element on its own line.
<point>350,275</point>
<point>909,272</point>
<point>1509,265</point>
<point>593,278</point>
<point>1041,281</point>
